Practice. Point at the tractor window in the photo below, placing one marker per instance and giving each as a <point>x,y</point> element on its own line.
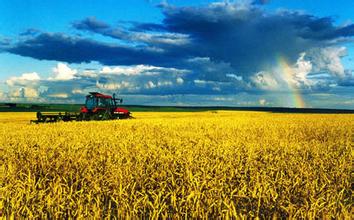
<point>104,102</point>
<point>90,103</point>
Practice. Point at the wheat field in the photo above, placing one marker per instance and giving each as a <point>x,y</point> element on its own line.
<point>204,165</point>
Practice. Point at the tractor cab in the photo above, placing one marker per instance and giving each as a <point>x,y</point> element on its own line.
<point>98,100</point>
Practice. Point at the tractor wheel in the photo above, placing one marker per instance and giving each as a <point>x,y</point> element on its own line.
<point>94,117</point>
<point>84,117</point>
<point>81,117</point>
<point>106,115</point>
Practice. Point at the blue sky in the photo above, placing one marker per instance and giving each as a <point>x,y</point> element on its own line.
<point>236,53</point>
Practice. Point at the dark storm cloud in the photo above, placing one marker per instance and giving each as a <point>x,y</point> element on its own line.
<point>61,47</point>
<point>249,38</point>
<point>322,29</point>
<point>92,24</point>
<point>246,37</point>
<point>221,44</point>
<point>157,40</point>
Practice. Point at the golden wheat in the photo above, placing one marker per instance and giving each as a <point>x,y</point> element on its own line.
<point>178,165</point>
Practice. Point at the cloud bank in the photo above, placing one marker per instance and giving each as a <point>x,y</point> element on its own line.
<point>219,49</point>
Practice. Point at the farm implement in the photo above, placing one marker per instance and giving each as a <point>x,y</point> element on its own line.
<point>97,107</point>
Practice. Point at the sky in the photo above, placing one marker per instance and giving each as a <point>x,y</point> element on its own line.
<point>271,53</point>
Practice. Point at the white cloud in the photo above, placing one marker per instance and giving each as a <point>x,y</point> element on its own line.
<point>301,69</point>
<point>150,85</point>
<point>265,81</point>
<point>320,68</point>
<point>234,76</point>
<point>63,72</point>
<point>24,79</point>
<point>216,88</point>
<point>166,38</point>
<point>262,102</point>
<point>59,95</point>
<point>136,70</point>
<point>222,99</point>
<point>200,82</point>
<point>30,93</point>
<point>349,102</point>
<point>87,73</point>
<point>113,85</point>
<point>296,75</point>
<point>179,80</point>
<point>329,59</point>
<point>26,92</point>
<point>128,70</point>
<point>69,83</point>
<point>164,83</point>
<point>77,91</point>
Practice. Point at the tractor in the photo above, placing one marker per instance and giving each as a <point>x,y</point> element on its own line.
<point>97,107</point>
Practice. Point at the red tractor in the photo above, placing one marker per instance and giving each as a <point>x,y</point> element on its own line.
<point>102,107</point>
<point>97,107</point>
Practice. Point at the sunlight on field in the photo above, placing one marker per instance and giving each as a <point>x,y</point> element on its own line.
<point>178,165</point>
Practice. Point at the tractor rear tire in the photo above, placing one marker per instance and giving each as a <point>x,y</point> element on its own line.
<point>106,115</point>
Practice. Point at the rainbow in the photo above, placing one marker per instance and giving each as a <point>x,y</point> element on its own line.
<point>288,74</point>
